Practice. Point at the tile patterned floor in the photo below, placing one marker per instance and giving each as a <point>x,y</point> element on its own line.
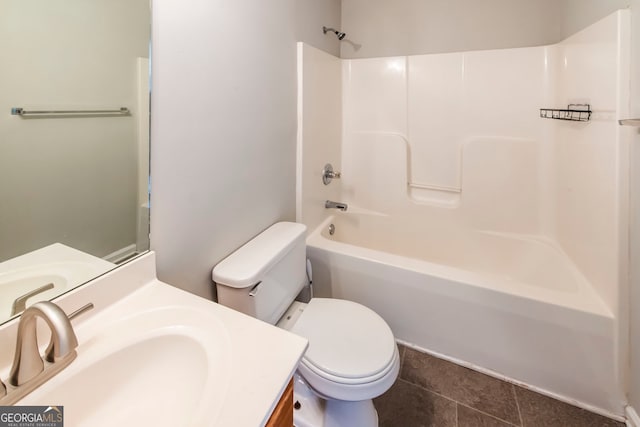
<point>431,392</point>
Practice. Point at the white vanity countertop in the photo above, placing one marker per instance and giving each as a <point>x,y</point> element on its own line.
<point>253,361</point>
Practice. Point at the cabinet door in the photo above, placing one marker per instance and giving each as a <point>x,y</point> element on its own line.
<point>282,415</point>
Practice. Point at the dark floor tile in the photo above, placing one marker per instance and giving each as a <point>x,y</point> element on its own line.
<point>468,417</point>
<point>407,405</point>
<point>542,411</point>
<point>471,388</point>
<point>401,349</point>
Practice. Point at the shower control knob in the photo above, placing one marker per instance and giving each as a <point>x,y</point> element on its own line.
<point>328,174</point>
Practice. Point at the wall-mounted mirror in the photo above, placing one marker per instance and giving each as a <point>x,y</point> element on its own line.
<point>74,143</point>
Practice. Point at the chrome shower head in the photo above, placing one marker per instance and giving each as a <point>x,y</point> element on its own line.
<point>339,34</point>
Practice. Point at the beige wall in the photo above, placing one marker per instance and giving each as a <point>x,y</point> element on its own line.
<point>634,297</point>
<point>311,16</point>
<point>577,14</point>
<point>409,27</point>
<point>223,154</point>
<point>69,180</point>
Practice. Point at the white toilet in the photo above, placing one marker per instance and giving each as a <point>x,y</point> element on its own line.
<point>352,355</point>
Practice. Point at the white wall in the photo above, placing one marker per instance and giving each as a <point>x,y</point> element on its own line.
<point>409,27</point>
<point>223,154</point>
<point>70,180</point>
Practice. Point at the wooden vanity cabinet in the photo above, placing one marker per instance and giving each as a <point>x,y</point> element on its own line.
<point>282,415</point>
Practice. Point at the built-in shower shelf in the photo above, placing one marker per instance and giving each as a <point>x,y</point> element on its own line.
<point>574,112</point>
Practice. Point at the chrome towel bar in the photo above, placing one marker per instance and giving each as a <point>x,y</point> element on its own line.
<point>19,111</point>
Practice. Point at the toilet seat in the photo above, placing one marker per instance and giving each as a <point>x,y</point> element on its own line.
<point>352,353</point>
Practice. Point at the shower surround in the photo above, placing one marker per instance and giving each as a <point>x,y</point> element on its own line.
<point>478,230</point>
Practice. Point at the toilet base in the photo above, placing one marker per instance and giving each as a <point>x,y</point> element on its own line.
<point>341,413</point>
<point>311,407</point>
<point>315,411</point>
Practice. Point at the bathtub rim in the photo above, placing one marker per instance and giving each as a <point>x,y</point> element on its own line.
<point>588,301</point>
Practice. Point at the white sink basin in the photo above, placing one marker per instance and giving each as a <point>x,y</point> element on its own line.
<point>147,368</point>
<point>130,370</point>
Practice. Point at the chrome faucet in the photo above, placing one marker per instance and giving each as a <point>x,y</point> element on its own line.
<point>335,205</point>
<point>328,174</point>
<point>29,371</point>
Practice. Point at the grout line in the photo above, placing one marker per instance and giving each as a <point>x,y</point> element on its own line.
<point>426,389</point>
<point>459,403</point>
<point>488,415</point>
<point>466,406</point>
<point>515,395</point>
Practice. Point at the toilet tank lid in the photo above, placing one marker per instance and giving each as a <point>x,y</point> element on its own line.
<point>247,266</point>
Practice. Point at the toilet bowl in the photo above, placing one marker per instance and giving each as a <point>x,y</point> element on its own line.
<point>352,355</point>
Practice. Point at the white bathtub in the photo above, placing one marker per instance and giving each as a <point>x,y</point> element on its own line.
<point>511,305</point>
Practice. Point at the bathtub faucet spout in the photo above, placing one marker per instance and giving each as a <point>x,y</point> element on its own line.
<point>335,205</point>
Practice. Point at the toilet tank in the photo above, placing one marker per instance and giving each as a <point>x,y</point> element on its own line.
<point>263,277</point>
